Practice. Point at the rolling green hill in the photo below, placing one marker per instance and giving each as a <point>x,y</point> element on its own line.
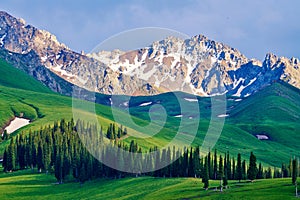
<point>15,78</point>
<point>273,111</point>
<point>25,185</point>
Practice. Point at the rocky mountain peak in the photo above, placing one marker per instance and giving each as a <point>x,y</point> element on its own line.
<point>197,65</point>
<point>18,37</point>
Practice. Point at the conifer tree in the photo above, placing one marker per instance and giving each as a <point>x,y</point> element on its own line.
<point>220,172</point>
<point>185,163</point>
<point>244,170</point>
<point>5,135</point>
<point>233,175</point>
<point>252,171</point>
<point>191,171</point>
<point>225,177</point>
<point>260,172</point>
<point>169,161</point>
<point>58,170</point>
<point>290,167</point>
<point>239,174</point>
<point>269,173</point>
<point>205,178</point>
<point>40,159</point>
<point>294,171</point>
<point>82,174</point>
<point>196,162</point>
<point>11,156</point>
<point>215,166</point>
<point>295,174</point>
<point>163,162</point>
<point>47,157</point>
<point>284,171</point>
<point>228,166</point>
<point>4,163</point>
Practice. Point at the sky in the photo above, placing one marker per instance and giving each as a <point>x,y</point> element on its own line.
<point>253,27</point>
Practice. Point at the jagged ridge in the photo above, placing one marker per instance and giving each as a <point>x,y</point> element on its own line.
<point>197,65</point>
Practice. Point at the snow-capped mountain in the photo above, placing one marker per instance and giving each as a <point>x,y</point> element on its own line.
<point>200,66</point>
<point>197,65</point>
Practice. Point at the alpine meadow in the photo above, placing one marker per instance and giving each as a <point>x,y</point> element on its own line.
<point>180,117</point>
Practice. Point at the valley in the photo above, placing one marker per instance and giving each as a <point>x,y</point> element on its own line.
<point>277,123</point>
<point>197,100</point>
<point>41,186</point>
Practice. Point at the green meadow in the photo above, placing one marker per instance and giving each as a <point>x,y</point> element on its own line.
<point>25,185</point>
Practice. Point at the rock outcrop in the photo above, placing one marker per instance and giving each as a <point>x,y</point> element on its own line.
<point>197,65</point>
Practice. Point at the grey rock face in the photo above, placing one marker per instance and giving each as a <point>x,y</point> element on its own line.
<point>197,65</point>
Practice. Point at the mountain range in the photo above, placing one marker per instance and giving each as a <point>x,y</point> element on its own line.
<point>197,65</point>
<point>262,107</point>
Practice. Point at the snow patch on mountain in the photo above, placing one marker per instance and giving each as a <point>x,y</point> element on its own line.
<point>191,100</point>
<point>2,39</point>
<point>145,104</point>
<point>196,65</point>
<point>178,116</point>
<point>223,115</point>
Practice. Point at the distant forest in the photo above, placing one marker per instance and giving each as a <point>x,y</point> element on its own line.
<point>59,150</point>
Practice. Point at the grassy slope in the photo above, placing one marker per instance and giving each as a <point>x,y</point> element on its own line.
<point>11,105</point>
<point>20,93</point>
<point>24,185</point>
<point>43,109</point>
<point>15,78</point>
<point>273,111</point>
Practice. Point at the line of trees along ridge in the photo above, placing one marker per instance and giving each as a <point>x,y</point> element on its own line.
<point>59,150</point>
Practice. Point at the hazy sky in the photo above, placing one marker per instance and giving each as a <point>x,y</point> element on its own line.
<point>254,27</point>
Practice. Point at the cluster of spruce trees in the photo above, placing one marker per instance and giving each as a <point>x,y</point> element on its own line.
<point>61,150</point>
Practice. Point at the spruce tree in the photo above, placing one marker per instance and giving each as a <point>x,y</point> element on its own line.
<point>294,171</point>
<point>191,171</point>
<point>210,166</point>
<point>239,174</point>
<point>185,163</point>
<point>228,166</point>
<point>58,169</point>
<point>233,176</point>
<point>290,167</point>
<point>47,149</point>
<point>11,156</point>
<point>220,172</point>
<point>163,162</point>
<point>40,159</point>
<point>205,178</point>
<point>244,170</point>
<point>277,173</point>
<point>225,177</point>
<point>269,173</point>
<point>82,174</point>
<point>284,171</point>
<point>252,171</point>
<point>21,151</point>
<point>5,135</point>
<point>260,172</point>
<point>168,161</point>
<point>196,162</point>
<point>215,165</point>
<point>295,174</point>
<point>4,163</point>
